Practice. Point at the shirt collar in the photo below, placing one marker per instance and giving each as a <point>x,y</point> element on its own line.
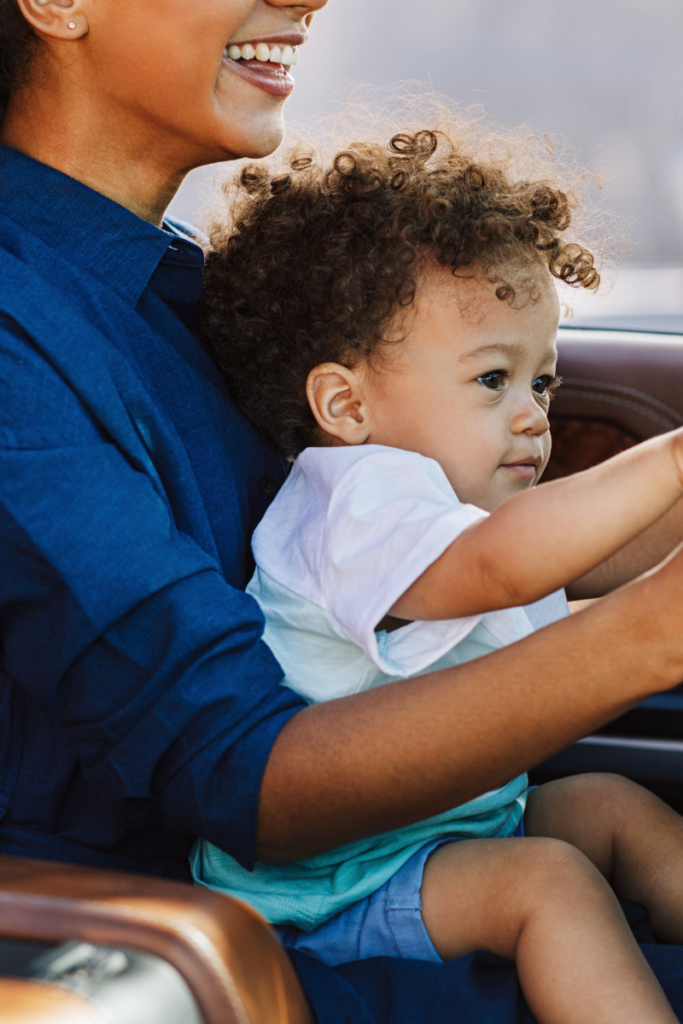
<point>83,227</point>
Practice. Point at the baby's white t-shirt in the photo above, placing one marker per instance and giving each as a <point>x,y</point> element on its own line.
<point>348,533</point>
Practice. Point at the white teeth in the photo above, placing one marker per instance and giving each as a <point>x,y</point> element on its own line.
<point>286,55</point>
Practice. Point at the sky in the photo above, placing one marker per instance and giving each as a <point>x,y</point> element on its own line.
<point>604,77</point>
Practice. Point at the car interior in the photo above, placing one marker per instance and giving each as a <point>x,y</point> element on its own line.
<point>619,388</point>
<point>80,945</point>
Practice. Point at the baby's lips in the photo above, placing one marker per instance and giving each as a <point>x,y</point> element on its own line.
<point>532,460</point>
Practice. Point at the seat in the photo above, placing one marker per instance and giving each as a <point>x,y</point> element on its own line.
<point>229,958</point>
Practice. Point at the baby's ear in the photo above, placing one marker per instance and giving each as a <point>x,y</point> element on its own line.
<point>336,396</point>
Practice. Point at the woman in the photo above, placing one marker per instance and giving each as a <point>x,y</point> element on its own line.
<point>140,706</point>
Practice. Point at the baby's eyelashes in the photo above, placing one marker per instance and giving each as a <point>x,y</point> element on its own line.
<point>546,385</point>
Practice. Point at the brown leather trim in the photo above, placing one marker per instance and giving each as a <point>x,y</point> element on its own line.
<point>632,381</point>
<point>230,958</point>
<point>29,1002</point>
<point>629,407</point>
<point>617,389</point>
<point>579,444</point>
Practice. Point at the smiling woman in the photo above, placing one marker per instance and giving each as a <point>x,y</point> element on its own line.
<point>100,304</point>
<point>139,706</point>
<point>107,106</point>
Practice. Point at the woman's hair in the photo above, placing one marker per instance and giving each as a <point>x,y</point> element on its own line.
<point>16,46</point>
<point>318,257</point>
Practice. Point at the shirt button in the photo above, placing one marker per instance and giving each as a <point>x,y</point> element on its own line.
<point>269,487</point>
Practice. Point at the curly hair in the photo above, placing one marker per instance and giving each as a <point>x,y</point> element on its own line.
<point>16,46</point>
<point>316,259</point>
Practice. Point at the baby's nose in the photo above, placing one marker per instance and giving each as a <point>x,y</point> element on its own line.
<point>530,419</point>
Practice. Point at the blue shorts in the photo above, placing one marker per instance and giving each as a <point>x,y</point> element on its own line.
<point>386,923</point>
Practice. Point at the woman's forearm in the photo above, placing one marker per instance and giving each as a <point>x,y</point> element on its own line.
<point>638,556</point>
<point>379,760</point>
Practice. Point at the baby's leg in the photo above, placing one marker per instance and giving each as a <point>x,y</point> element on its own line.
<point>631,836</point>
<point>541,903</point>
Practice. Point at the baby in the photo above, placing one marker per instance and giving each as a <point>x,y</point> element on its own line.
<point>389,321</point>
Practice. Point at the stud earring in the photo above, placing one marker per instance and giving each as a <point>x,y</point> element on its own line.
<point>72,24</point>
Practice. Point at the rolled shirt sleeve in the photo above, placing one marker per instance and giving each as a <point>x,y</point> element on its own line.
<point>127,645</point>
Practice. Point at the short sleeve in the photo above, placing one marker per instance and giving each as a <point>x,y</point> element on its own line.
<point>371,521</point>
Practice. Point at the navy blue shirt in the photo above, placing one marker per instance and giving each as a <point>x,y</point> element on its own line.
<point>138,702</point>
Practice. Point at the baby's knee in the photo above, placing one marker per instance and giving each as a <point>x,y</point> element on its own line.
<point>553,866</point>
<point>578,798</point>
<point>582,787</point>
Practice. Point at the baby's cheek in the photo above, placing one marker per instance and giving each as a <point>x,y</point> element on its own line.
<point>489,489</point>
<point>546,445</point>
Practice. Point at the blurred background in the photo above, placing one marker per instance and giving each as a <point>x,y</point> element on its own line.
<point>603,76</point>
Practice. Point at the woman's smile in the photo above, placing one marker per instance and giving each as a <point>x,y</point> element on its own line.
<point>265,63</point>
<point>222,98</point>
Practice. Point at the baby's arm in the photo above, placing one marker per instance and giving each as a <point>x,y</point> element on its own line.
<point>546,538</point>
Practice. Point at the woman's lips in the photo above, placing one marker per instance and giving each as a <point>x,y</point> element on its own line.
<point>270,78</point>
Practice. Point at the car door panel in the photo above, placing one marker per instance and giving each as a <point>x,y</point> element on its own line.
<point>619,388</point>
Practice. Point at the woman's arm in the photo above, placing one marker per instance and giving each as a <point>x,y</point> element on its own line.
<point>548,537</point>
<point>385,758</point>
<point>638,556</point>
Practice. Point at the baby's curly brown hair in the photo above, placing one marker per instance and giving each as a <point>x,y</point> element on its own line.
<point>318,258</point>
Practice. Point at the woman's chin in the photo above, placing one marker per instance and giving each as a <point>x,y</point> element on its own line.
<point>252,124</point>
<point>229,143</point>
<point>220,140</point>
<point>256,148</point>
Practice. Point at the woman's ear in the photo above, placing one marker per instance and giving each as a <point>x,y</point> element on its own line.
<point>58,19</point>
<point>337,399</point>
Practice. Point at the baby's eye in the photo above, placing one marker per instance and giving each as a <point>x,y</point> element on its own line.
<point>494,380</point>
<point>546,385</point>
